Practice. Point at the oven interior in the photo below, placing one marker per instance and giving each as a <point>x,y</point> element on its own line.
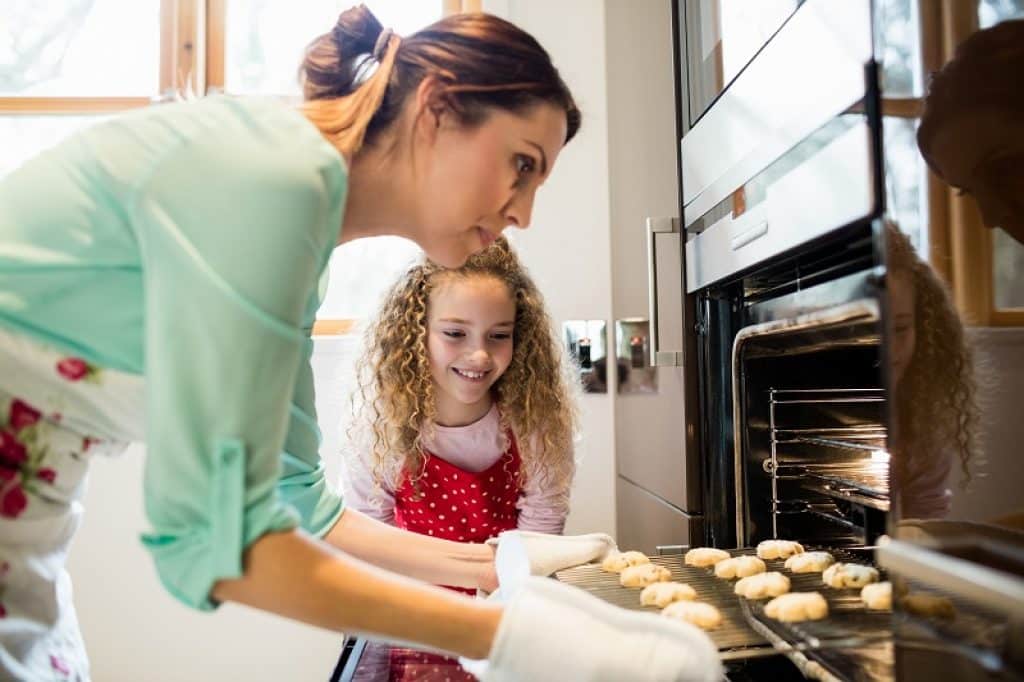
<point>809,415</point>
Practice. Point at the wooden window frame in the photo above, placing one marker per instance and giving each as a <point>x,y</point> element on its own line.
<point>181,29</point>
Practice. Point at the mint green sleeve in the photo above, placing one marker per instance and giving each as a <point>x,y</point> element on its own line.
<point>233,236</point>
<point>303,483</point>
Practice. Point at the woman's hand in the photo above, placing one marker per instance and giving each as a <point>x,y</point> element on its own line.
<point>553,631</point>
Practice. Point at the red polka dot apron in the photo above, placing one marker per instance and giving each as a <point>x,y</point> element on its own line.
<point>454,504</point>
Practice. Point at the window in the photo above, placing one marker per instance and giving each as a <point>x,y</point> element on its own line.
<point>899,50</point>
<point>63,66</point>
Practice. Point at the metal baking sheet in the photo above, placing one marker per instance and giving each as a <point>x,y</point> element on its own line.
<point>848,624</point>
<point>732,634</point>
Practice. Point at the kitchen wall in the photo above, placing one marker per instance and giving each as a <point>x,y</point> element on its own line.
<point>135,631</point>
<point>999,357</point>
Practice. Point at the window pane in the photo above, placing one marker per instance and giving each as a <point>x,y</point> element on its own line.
<point>1007,270</point>
<point>991,12</point>
<point>898,30</point>
<point>75,48</point>
<point>905,180</point>
<point>361,272</point>
<point>266,38</point>
<point>22,137</point>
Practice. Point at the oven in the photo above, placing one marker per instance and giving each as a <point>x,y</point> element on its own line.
<point>788,313</point>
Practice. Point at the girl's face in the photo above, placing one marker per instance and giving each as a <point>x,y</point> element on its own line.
<point>904,322</point>
<point>474,182</point>
<point>470,321</point>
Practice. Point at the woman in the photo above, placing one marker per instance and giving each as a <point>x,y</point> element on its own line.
<point>971,133</point>
<point>158,277</point>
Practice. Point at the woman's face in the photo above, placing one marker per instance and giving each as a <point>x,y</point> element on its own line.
<point>470,324</point>
<point>904,323</point>
<point>983,155</point>
<point>474,182</point>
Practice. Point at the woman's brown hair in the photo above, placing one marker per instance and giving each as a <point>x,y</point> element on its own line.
<point>357,78</point>
<point>536,396</point>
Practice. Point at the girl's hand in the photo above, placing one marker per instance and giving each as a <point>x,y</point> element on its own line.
<point>550,553</point>
<point>550,630</point>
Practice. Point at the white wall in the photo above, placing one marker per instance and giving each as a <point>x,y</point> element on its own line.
<point>995,487</point>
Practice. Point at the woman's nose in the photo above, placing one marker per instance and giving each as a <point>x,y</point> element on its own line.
<point>519,211</point>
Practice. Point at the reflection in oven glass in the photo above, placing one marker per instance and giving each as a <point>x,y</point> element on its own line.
<point>932,373</point>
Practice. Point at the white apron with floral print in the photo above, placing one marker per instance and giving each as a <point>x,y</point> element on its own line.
<point>56,413</point>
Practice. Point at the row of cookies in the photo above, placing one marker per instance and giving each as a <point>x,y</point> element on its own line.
<point>758,583</point>
<point>676,600</point>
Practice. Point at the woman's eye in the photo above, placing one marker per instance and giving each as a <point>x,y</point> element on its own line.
<point>524,164</point>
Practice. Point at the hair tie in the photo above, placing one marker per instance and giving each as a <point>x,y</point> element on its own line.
<point>381,46</point>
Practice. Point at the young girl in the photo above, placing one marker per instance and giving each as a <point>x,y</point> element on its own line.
<point>932,373</point>
<point>467,411</point>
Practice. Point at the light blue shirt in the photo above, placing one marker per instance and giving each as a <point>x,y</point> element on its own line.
<point>185,243</point>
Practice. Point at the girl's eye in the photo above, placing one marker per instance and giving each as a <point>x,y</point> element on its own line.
<point>501,336</point>
<point>453,334</point>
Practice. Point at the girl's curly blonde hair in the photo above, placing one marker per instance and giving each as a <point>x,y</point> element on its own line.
<point>936,399</point>
<point>536,396</point>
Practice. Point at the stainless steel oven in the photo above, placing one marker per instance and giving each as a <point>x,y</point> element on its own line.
<point>788,304</point>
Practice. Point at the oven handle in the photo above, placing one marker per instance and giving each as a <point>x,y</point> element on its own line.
<point>655,226</point>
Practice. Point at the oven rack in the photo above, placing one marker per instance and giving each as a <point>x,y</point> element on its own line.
<point>849,461</point>
<point>866,485</point>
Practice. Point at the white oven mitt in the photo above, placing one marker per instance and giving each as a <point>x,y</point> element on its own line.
<point>551,631</point>
<point>550,553</point>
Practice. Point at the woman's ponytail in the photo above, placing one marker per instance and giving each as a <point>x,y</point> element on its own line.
<point>345,74</point>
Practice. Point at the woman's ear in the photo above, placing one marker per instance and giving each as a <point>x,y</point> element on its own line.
<point>432,108</point>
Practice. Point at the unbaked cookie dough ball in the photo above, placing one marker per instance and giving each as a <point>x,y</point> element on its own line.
<point>702,615</point>
<point>663,594</point>
<point>797,606</point>
<point>778,549</point>
<point>849,575</point>
<point>705,556</point>
<point>643,575</point>
<point>615,563</point>
<point>877,596</point>
<point>739,567</point>
<point>810,562</point>
<point>762,585</point>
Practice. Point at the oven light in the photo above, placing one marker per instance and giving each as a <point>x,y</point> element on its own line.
<point>880,456</point>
